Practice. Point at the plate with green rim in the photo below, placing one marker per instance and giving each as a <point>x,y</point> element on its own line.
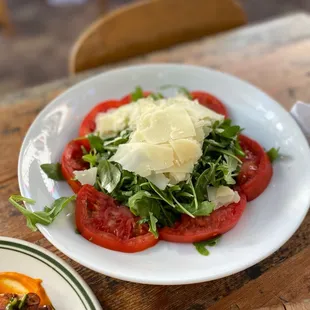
<point>58,278</point>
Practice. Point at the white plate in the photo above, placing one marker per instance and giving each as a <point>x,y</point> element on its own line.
<point>65,288</point>
<point>267,223</point>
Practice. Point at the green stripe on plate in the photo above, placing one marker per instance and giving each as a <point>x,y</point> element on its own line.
<point>25,250</point>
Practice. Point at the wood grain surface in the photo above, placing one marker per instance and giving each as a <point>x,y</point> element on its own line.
<point>275,57</point>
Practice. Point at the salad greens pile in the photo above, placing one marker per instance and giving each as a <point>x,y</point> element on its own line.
<point>219,165</point>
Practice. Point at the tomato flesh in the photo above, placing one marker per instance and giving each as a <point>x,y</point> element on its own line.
<point>189,229</point>
<point>88,124</point>
<point>71,160</point>
<point>104,222</point>
<point>256,170</point>
<point>210,102</point>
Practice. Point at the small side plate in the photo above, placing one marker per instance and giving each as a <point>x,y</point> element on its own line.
<point>65,288</point>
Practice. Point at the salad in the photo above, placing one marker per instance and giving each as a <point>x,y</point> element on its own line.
<point>147,168</point>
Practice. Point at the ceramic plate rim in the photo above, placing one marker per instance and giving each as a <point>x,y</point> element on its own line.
<point>142,279</point>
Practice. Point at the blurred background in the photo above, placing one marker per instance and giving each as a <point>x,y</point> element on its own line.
<point>37,35</point>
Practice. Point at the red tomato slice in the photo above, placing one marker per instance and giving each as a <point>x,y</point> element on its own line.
<point>210,102</point>
<point>102,221</point>
<point>201,228</point>
<point>88,124</point>
<point>127,99</point>
<point>256,170</point>
<point>72,160</point>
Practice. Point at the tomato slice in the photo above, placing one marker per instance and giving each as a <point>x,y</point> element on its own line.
<point>210,102</point>
<point>72,160</point>
<point>127,99</point>
<point>88,124</point>
<point>189,230</point>
<point>256,170</point>
<point>102,221</point>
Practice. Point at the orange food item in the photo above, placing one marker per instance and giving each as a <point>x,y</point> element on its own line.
<point>17,283</point>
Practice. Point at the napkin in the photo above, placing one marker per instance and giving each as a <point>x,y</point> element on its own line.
<point>301,113</point>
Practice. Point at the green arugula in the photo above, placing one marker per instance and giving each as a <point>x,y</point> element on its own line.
<point>95,143</point>
<point>90,158</point>
<point>273,154</point>
<point>152,225</point>
<point>109,175</point>
<point>201,246</point>
<point>150,214</point>
<point>45,217</point>
<point>156,96</point>
<point>205,208</point>
<point>137,94</point>
<point>53,171</point>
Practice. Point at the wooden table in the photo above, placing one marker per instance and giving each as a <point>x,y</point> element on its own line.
<point>273,55</point>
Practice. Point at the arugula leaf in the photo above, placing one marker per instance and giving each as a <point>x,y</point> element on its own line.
<point>205,208</point>
<point>58,205</point>
<point>238,150</point>
<point>116,141</point>
<point>137,94</point>
<point>53,171</point>
<point>162,194</point>
<point>227,130</point>
<point>142,203</point>
<point>194,194</point>
<point>201,249</point>
<point>203,181</point>
<point>184,91</point>
<point>229,167</point>
<point>95,143</point>
<point>273,154</point>
<point>109,175</point>
<point>226,152</point>
<point>90,158</point>
<point>45,217</point>
<point>156,96</point>
<point>152,225</point>
<point>182,207</point>
<point>201,246</point>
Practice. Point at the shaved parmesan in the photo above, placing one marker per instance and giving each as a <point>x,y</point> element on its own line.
<point>186,150</point>
<point>176,177</point>
<point>159,180</point>
<point>144,158</point>
<point>222,196</point>
<point>166,139</point>
<point>87,176</point>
